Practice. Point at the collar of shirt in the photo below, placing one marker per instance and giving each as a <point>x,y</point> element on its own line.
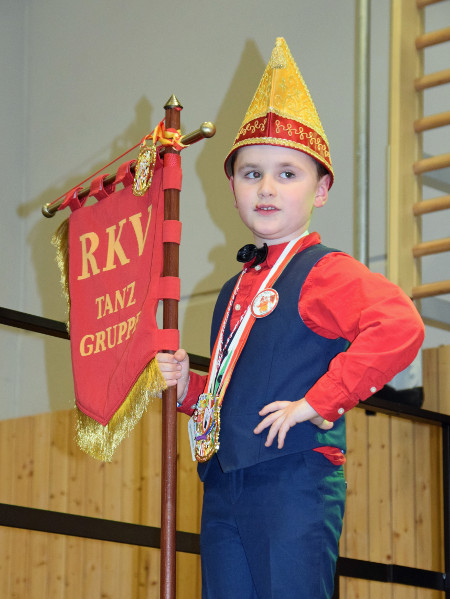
<point>275,251</point>
<point>251,282</point>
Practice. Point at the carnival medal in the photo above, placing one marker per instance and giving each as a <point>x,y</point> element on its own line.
<point>207,426</point>
<point>264,303</point>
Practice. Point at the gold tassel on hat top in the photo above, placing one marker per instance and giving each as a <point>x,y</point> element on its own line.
<point>282,112</point>
<point>278,59</point>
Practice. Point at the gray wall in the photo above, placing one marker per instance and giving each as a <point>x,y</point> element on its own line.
<point>83,81</point>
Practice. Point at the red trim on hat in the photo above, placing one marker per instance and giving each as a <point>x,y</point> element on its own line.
<point>277,127</point>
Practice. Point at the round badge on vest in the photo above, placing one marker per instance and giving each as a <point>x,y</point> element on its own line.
<point>264,303</point>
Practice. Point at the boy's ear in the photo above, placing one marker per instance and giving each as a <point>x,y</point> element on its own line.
<point>321,196</point>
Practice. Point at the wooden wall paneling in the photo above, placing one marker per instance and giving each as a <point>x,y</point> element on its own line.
<point>430,375</point>
<point>357,509</point>
<point>401,591</point>
<point>428,594</point>
<point>40,488</point>
<point>189,501</point>
<point>111,565</point>
<point>403,500</point>
<point>91,569</point>
<point>131,476</point>
<point>150,512</point>
<point>428,504</point>
<point>444,378</point>
<point>381,590</point>
<point>379,498</point>
<point>190,490</point>
<point>20,561</point>
<point>150,476</point>
<point>189,580</point>
<point>22,482</point>
<point>436,383</point>
<point>22,458</point>
<point>40,461</point>
<point>61,437</point>
<point>94,473</point>
<point>430,487</point>
<point>7,434</point>
<point>76,490</point>
<point>131,491</point>
<point>111,506</point>
<point>5,559</point>
<point>148,573</point>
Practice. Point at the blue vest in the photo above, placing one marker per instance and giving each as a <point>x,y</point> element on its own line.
<point>281,360</point>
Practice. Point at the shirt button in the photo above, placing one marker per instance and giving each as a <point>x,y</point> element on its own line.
<point>373,389</point>
<point>258,267</point>
<point>237,307</point>
<point>341,411</point>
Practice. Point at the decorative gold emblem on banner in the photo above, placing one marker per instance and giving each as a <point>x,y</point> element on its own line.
<point>145,165</point>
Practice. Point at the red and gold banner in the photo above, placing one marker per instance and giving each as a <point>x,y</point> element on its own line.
<point>115,261</point>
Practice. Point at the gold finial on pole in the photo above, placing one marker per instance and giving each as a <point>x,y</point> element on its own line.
<point>172,102</point>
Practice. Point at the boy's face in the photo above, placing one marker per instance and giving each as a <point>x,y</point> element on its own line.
<point>275,191</point>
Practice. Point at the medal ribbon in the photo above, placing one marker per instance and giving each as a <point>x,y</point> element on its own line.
<point>222,367</point>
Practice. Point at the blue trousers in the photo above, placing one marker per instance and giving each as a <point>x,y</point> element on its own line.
<point>272,531</point>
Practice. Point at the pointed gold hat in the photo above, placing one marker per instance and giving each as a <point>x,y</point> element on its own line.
<point>282,113</point>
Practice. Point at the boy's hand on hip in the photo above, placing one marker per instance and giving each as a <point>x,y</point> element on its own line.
<point>283,415</point>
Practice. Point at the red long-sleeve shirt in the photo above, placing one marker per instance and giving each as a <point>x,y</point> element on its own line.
<point>342,298</point>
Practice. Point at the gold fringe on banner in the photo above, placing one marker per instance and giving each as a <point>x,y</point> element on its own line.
<point>100,441</point>
<point>60,240</point>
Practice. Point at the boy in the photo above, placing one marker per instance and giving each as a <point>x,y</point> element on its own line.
<point>301,336</point>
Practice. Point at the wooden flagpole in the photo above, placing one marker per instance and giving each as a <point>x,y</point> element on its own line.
<point>169,406</point>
